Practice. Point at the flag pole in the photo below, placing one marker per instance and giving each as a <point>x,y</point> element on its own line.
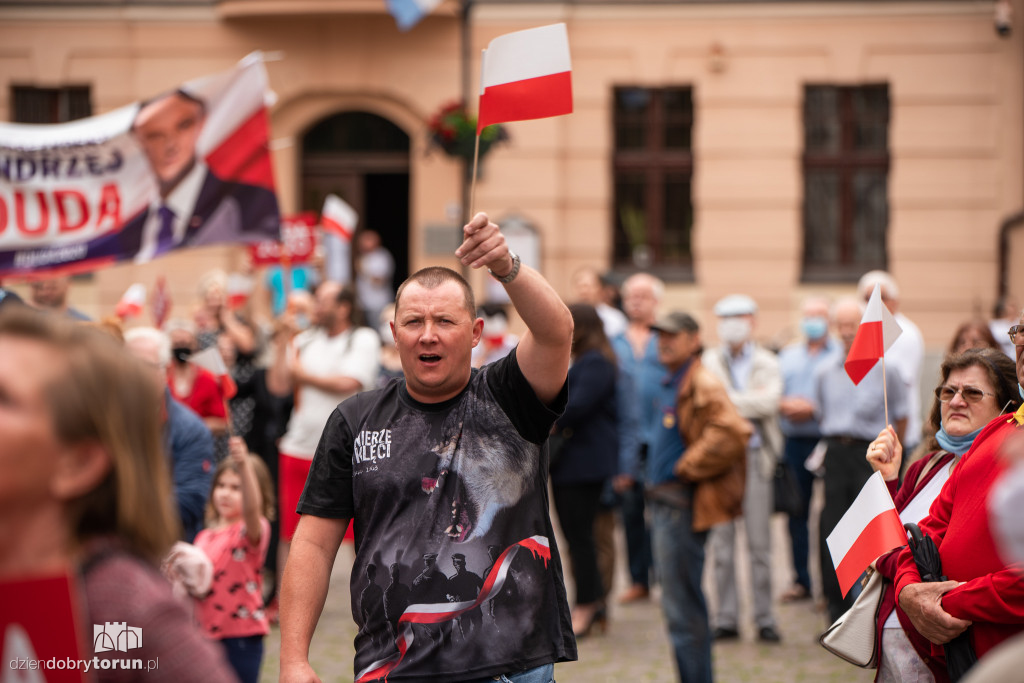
<point>472,186</point>
<point>885,393</point>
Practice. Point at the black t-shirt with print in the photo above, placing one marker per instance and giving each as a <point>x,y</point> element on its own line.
<point>443,496</point>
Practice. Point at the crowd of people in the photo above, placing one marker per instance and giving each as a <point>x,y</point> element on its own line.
<point>419,424</point>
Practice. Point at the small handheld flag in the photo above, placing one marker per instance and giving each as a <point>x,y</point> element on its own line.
<point>877,332</point>
<point>161,302</point>
<point>869,528</point>
<point>132,302</point>
<point>338,217</point>
<point>209,359</point>
<point>526,75</point>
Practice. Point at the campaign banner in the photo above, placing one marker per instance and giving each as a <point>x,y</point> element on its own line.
<point>297,244</point>
<point>186,168</point>
<point>40,634</point>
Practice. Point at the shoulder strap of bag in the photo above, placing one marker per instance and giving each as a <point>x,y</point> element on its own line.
<point>932,462</point>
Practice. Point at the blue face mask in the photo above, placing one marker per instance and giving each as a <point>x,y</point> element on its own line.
<point>814,327</point>
<point>1020,390</point>
<point>956,444</point>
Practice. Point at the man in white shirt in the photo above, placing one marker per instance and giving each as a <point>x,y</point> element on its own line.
<point>325,365</point>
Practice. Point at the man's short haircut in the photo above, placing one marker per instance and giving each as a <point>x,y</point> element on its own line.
<point>433,277</point>
<point>846,302</point>
<point>656,284</point>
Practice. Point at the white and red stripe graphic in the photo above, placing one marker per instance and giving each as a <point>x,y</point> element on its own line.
<point>526,75</point>
<point>869,528</point>
<point>441,612</point>
<point>338,217</point>
<point>877,332</point>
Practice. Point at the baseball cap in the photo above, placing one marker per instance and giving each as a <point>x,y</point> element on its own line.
<point>735,304</point>
<point>675,322</point>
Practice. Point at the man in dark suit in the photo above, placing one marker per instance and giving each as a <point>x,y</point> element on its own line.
<point>194,206</point>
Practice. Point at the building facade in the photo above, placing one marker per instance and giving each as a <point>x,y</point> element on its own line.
<point>778,149</point>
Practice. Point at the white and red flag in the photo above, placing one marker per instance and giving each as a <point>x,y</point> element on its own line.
<point>132,302</point>
<point>877,332</point>
<point>209,359</point>
<point>338,217</point>
<point>161,302</point>
<point>526,75</point>
<point>869,528</point>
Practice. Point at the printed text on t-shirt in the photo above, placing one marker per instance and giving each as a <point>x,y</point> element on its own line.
<point>371,446</point>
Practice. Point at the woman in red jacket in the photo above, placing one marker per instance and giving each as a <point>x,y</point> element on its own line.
<point>976,387</point>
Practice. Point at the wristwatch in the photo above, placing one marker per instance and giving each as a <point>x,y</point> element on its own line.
<point>516,263</point>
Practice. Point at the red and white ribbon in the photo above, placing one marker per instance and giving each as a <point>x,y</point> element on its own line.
<point>438,613</point>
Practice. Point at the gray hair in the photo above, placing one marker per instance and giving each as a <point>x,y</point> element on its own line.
<point>868,280</point>
<point>151,334</point>
<point>656,285</point>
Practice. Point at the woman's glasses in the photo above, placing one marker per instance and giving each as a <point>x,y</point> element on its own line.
<point>1016,335</point>
<point>970,394</point>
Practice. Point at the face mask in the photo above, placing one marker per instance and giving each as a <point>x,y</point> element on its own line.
<point>956,444</point>
<point>181,353</point>
<point>1020,390</point>
<point>302,321</point>
<point>1004,506</point>
<point>734,330</point>
<point>814,327</point>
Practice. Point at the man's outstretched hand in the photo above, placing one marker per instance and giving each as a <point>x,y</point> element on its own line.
<point>483,246</point>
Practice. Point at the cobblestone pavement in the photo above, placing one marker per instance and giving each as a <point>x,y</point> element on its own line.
<point>635,648</point>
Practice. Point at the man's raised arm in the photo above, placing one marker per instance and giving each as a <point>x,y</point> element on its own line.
<point>543,352</point>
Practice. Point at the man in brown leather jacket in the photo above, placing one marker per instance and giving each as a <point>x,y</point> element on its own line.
<point>696,470</point>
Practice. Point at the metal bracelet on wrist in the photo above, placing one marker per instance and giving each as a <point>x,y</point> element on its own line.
<point>516,263</point>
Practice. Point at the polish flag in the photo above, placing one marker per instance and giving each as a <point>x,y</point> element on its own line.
<point>132,302</point>
<point>877,332</point>
<point>209,359</point>
<point>869,528</point>
<point>526,75</point>
<point>338,217</point>
<point>239,289</point>
<point>161,302</point>
<point>407,13</point>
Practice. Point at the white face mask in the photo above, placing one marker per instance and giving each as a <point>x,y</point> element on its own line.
<point>1004,506</point>
<point>734,330</point>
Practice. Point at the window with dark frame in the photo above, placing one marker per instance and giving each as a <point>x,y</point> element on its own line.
<point>846,176</point>
<point>653,169</point>
<point>30,104</point>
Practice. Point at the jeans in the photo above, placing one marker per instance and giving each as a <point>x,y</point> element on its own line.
<point>638,536</point>
<point>679,564</point>
<point>542,674</point>
<point>245,655</point>
<point>798,448</point>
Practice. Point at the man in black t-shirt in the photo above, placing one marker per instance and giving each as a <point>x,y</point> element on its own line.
<point>447,462</point>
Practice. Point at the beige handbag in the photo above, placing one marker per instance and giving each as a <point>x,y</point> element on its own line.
<point>854,635</point>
